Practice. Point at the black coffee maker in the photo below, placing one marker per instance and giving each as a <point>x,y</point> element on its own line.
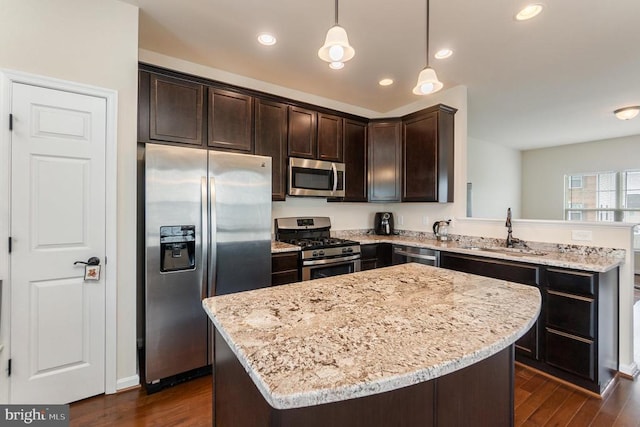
<point>383,223</point>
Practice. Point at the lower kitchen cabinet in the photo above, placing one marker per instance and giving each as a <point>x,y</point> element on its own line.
<point>375,256</point>
<point>284,268</point>
<point>528,346</point>
<point>576,335</point>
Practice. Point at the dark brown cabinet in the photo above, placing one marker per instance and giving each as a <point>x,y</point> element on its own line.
<point>375,255</point>
<point>385,155</point>
<point>271,140</point>
<point>230,120</point>
<point>355,161</point>
<point>302,132</point>
<point>581,326</point>
<point>170,110</point>
<point>427,155</point>
<point>576,335</point>
<point>330,137</point>
<point>529,344</point>
<point>284,268</point>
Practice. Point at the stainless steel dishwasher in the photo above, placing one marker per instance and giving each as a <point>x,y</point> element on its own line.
<point>403,254</point>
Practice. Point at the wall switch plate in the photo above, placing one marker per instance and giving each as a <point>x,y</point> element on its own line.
<point>400,220</point>
<point>425,220</point>
<point>584,235</point>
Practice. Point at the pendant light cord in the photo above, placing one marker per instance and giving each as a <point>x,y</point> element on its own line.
<point>336,23</point>
<point>427,33</point>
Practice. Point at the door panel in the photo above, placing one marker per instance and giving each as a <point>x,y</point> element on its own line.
<point>57,218</point>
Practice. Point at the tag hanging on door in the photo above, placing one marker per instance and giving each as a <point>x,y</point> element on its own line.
<point>91,272</point>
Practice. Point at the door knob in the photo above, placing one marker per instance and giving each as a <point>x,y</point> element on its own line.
<point>94,260</point>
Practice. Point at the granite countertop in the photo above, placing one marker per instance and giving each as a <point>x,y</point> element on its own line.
<point>590,259</point>
<point>279,247</point>
<point>355,335</point>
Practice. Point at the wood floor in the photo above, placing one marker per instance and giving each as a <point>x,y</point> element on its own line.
<point>539,401</point>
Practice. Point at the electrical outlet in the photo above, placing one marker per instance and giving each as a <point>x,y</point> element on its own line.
<point>584,235</point>
<point>425,220</point>
<point>400,220</point>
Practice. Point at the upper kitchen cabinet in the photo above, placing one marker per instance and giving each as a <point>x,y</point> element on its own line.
<point>170,110</point>
<point>384,161</point>
<point>302,132</point>
<point>230,120</point>
<point>355,160</point>
<point>271,140</point>
<point>427,153</point>
<point>330,137</point>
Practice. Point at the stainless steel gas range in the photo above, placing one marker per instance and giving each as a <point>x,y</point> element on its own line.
<point>321,255</point>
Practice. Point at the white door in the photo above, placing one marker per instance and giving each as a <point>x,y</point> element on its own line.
<point>57,218</point>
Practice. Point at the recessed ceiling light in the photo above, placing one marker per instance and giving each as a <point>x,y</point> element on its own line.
<point>443,53</point>
<point>627,113</point>
<point>529,11</point>
<point>266,39</point>
<point>336,65</point>
<point>385,82</point>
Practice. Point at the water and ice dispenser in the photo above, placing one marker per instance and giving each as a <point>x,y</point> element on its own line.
<point>177,248</point>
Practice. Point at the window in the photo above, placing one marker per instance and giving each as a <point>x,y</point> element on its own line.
<point>603,196</point>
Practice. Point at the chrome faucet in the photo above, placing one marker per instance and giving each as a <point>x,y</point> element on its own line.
<point>508,225</point>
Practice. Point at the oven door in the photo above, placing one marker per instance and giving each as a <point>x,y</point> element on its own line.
<point>317,269</point>
<point>315,178</point>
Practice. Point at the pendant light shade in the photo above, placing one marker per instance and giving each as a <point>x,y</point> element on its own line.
<point>427,79</point>
<point>427,82</point>
<point>627,113</point>
<point>336,46</point>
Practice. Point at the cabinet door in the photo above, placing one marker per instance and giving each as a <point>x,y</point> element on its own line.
<point>284,268</point>
<point>329,138</point>
<point>175,110</point>
<point>230,120</point>
<point>384,161</point>
<point>302,132</point>
<point>428,149</point>
<point>271,140</point>
<point>355,161</point>
<point>420,159</point>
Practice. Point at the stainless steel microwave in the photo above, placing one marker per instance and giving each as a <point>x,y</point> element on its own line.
<point>309,177</point>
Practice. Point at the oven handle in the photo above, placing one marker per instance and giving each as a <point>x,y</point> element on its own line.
<point>335,176</point>
<point>330,260</point>
<point>414,255</point>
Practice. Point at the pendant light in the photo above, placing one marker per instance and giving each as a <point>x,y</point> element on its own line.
<point>427,80</point>
<point>336,48</point>
<point>627,113</point>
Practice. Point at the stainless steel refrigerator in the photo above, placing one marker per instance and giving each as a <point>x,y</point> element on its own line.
<point>208,232</point>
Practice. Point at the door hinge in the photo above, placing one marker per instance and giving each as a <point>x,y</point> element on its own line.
<point>9,368</point>
<point>10,244</point>
<point>10,121</point>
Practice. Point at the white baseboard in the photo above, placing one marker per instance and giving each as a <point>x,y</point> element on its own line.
<point>128,382</point>
<point>630,370</point>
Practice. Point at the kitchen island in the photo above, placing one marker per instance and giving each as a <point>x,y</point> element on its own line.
<point>403,345</point>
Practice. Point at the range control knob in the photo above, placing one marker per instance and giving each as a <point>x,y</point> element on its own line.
<point>321,253</point>
<point>314,253</point>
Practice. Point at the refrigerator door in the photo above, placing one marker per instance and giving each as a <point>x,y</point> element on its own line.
<point>240,188</point>
<point>176,242</point>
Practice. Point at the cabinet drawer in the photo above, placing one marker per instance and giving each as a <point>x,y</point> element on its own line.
<point>575,282</point>
<point>504,270</point>
<point>284,262</point>
<point>369,251</point>
<point>569,353</point>
<point>284,277</point>
<point>571,313</point>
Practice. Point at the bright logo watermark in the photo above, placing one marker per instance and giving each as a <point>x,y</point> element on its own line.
<point>34,415</point>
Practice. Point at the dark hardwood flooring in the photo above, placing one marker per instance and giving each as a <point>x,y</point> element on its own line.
<point>539,401</point>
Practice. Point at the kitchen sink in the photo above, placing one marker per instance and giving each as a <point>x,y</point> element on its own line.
<point>514,251</point>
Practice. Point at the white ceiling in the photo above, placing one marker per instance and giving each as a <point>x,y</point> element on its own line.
<point>553,80</point>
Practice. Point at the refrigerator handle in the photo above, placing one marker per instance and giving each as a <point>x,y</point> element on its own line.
<point>335,177</point>
<point>204,231</point>
<point>213,242</point>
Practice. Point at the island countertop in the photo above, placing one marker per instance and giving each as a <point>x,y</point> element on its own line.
<point>356,335</point>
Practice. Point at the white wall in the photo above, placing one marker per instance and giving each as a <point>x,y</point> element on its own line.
<point>94,42</point>
<point>495,174</point>
<point>543,171</point>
